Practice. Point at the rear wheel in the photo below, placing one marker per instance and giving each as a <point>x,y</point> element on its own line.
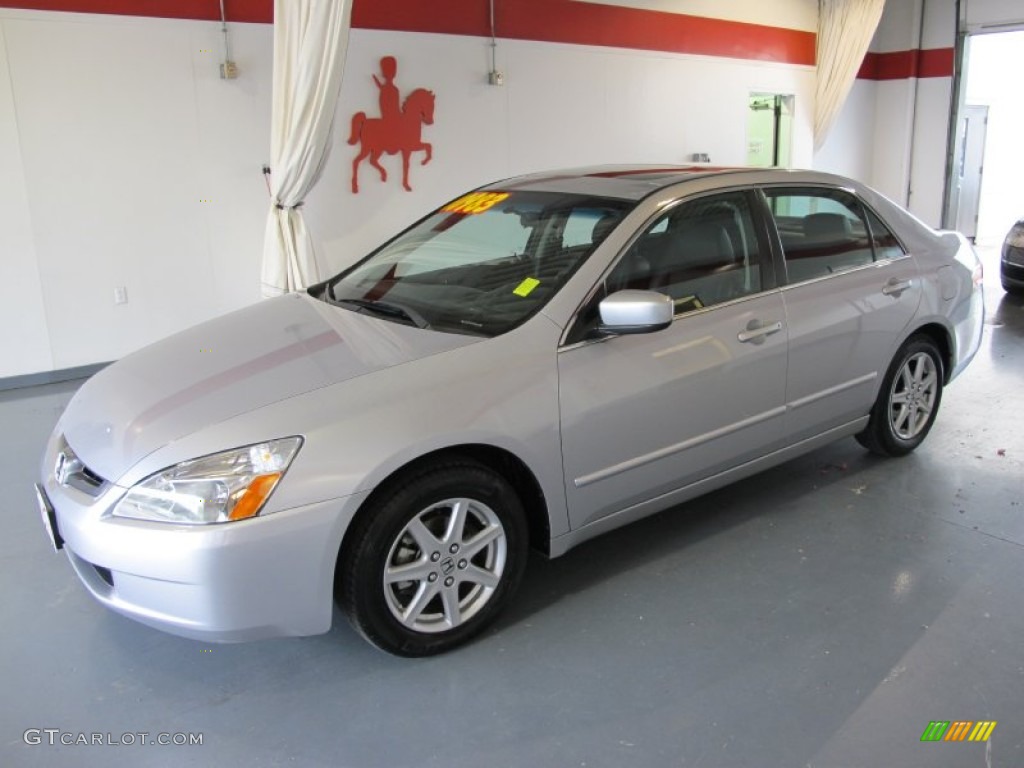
<point>435,558</point>
<point>908,400</point>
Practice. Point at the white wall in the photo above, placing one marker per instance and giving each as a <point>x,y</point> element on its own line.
<point>874,137</point>
<point>931,118</point>
<point>24,339</point>
<point>994,14</point>
<point>127,161</point>
<point>561,106</point>
<point>911,123</point>
<point>849,149</point>
<point>124,129</point>
<point>899,27</point>
<point>900,142</point>
<point>791,14</point>
<point>928,156</point>
<point>894,113</point>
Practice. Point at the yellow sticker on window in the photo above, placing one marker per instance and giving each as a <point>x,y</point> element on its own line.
<point>526,287</point>
<point>476,202</point>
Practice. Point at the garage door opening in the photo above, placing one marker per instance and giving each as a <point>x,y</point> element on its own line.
<point>988,164</point>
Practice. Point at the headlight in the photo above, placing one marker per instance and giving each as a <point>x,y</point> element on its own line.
<point>226,486</point>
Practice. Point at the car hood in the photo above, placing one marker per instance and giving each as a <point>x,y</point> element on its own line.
<point>259,355</point>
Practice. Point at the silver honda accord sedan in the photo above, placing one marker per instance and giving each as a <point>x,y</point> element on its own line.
<point>533,364</point>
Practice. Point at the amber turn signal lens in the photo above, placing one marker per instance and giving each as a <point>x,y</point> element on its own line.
<point>253,497</point>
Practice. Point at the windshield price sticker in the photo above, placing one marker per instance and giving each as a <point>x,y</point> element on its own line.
<point>526,287</point>
<point>477,202</point>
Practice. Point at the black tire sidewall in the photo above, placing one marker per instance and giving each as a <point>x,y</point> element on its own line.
<point>362,589</point>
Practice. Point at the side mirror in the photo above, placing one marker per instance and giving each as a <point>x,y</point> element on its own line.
<point>632,311</point>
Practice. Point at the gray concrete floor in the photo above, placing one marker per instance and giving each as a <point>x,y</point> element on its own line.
<point>819,614</point>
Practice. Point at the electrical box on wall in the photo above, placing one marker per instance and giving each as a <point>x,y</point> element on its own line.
<point>228,70</point>
<point>494,77</point>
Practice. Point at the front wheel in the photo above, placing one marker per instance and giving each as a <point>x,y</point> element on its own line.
<point>908,400</point>
<point>433,561</point>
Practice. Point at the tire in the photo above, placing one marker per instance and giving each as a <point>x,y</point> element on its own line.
<point>908,400</point>
<point>457,581</point>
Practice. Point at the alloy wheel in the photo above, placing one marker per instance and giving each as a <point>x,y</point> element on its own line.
<point>445,564</point>
<point>913,395</point>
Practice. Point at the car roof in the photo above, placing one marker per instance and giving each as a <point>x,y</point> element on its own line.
<point>635,182</point>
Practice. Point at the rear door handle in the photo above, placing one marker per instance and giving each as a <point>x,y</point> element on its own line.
<point>895,286</point>
<point>756,331</point>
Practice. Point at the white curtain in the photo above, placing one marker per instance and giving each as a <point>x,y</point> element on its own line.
<point>310,40</point>
<point>845,29</point>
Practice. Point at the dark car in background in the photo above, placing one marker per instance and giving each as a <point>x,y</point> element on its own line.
<point>1011,266</point>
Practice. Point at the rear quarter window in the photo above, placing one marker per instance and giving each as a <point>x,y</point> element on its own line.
<point>883,240</point>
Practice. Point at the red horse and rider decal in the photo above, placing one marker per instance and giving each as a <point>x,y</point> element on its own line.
<point>396,130</point>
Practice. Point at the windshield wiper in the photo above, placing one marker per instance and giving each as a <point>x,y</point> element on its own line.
<point>389,309</point>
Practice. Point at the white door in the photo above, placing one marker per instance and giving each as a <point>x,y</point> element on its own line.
<point>970,167</point>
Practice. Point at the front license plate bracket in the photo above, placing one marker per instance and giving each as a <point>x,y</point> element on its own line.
<point>49,516</point>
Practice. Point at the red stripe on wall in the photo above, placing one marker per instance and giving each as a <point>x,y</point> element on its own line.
<point>553,21</point>
<point>566,21</point>
<point>900,65</point>
<point>260,11</point>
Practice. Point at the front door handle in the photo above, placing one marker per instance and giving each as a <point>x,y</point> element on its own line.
<point>756,331</point>
<point>895,287</point>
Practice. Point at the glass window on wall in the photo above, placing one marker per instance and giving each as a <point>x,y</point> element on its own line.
<point>769,130</point>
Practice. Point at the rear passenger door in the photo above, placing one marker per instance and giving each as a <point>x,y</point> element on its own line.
<point>850,291</point>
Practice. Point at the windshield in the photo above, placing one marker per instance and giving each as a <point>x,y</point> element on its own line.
<point>482,264</point>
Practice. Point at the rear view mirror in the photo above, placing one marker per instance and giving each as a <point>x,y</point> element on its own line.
<point>633,311</point>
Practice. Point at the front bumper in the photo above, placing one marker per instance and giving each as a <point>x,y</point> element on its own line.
<point>269,576</point>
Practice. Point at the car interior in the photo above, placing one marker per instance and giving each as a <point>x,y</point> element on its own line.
<point>701,254</point>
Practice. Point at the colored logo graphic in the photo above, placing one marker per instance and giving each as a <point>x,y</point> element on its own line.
<point>958,730</point>
<point>397,130</point>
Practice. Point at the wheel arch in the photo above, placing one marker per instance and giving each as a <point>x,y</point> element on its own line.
<point>500,460</point>
<point>943,339</point>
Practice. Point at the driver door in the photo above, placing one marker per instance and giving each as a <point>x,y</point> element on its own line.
<point>646,414</point>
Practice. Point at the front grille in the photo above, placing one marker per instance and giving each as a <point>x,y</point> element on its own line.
<point>90,478</point>
<point>71,471</point>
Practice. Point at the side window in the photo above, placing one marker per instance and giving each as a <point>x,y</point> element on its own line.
<point>823,231</point>
<point>700,253</point>
<point>885,242</point>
